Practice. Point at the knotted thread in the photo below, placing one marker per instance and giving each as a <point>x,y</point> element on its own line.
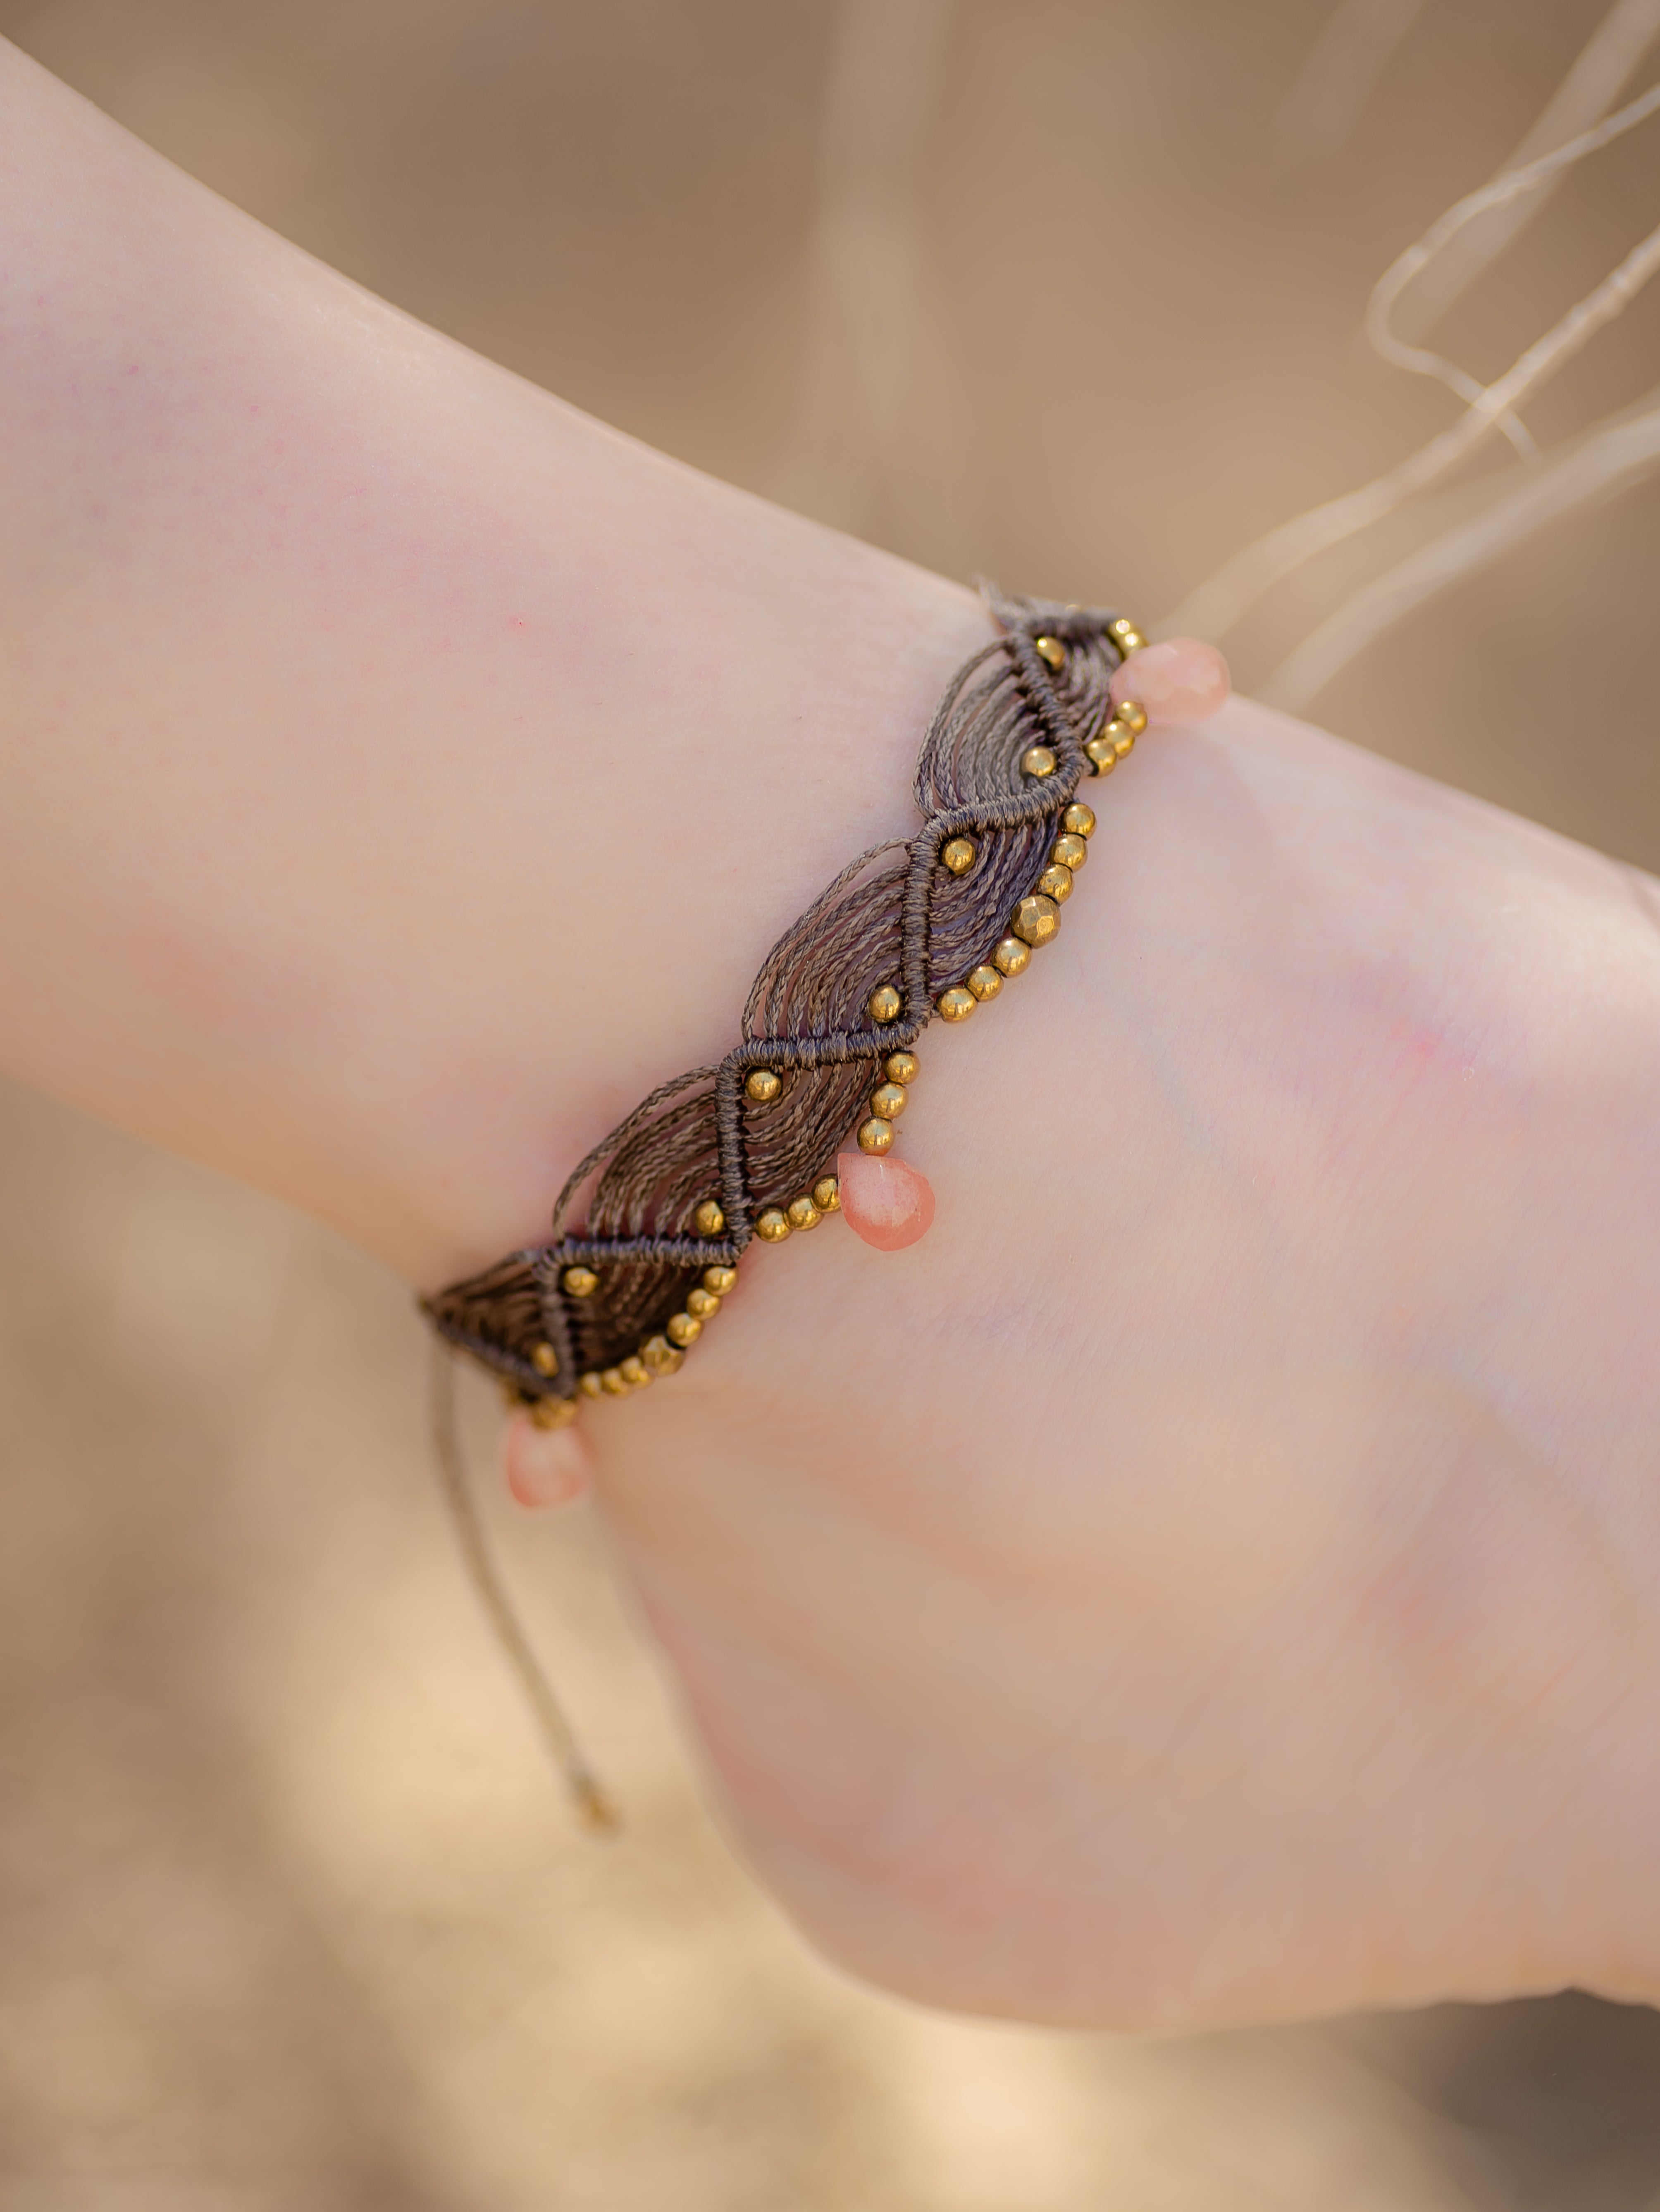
<point>896,915</point>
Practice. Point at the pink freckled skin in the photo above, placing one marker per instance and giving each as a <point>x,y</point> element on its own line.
<point>1179,680</point>
<point>545,1467</point>
<point>887,1202</point>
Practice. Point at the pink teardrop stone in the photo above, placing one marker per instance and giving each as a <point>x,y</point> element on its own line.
<point>545,1467</point>
<point>886,1200</point>
<point>1178,680</point>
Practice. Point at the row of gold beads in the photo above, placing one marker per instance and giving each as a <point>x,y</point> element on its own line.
<point>1036,919</point>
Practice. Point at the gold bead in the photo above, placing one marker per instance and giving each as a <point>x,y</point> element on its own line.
<point>683,1329</point>
<point>827,1191</point>
<point>720,1280</point>
<point>957,1004</point>
<point>958,855</point>
<point>1055,882</point>
<point>985,983</point>
<point>1125,635</point>
<point>633,1371</point>
<point>773,1225</point>
<point>1069,852</point>
<point>888,1100</point>
<point>1102,754</point>
<point>1036,920</point>
<point>709,1220</point>
<point>590,1385</point>
<point>875,1136</point>
<point>1079,820</point>
<point>1123,740</point>
<point>1133,714</point>
<point>544,1359</point>
<point>612,1383</point>
<point>661,1356</point>
<point>553,1412</point>
<point>901,1067</point>
<point>1038,760</point>
<point>883,1004</point>
<point>579,1282</point>
<point>762,1085</point>
<point>704,1304</point>
<point>1050,649</point>
<point>1011,955</point>
<point>804,1214</point>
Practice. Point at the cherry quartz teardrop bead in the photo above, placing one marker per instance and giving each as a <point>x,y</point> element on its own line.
<point>1178,680</point>
<point>884,1200</point>
<point>545,1467</point>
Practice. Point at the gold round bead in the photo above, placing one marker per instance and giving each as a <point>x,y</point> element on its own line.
<point>579,1282</point>
<point>883,1004</point>
<point>804,1214</point>
<point>827,1191</point>
<point>1055,882</point>
<point>1036,920</point>
<point>875,1136</point>
<point>888,1100</point>
<point>1069,852</point>
<point>901,1067</point>
<point>1125,635</point>
<point>1038,760</point>
<point>553,1412</point>
<point>985,983</point>
<point>590,1385</point>
<point>661,1356</point>
<point>633,1371</point>
<point>1102,754</point>
<point>702,1304</point>
<point>773,1226</point>
<point>1079,820</point>
<point>544,1359</point>
<point>709,1220</point>
<point>957,1004</point>
<point>720,1280</point>
<point>683,1329</point>
<point>1051,650</point>
<point>762,1085</point>
<point>957,855</point>
<point>1011,955</point>
<point>1133,714</point>
<point>1123,740</point>
<point>612,1383</point>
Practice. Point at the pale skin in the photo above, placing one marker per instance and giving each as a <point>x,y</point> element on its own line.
<point>1215,1574</point>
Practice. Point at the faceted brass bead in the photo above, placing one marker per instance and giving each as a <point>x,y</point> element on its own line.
<point>590,1385</point>
<point>1038,760</point>
<point>903,1067</point>
<point>1036,920</point>
<point>1051,650</point>
<point>683,1329</point>
<point>773,1226</point>
<point>1123,740</point>
<point>1102,754</point>
<point>883,1004</point>
<point>1011,955</point>
<point>957,1004</point>
<point>958,855</point>
<point>702,1304</point>
<point>661,1356</point>
<point>875,1136</point>
<point>802,1213</point>
<point>827,1191</point>
<point>1125,635</point>
<point>633,1371</point>
<point>612,1383</point>
<point>762,1085</point>
<point>709,1220</point>
<point>553,1412</point>
<point>1069,852</point>
<point>579,1282</point>
<point>888,1100</point>
<point>720,1280</point>
<point>544,1359</point>
<point>1079,820</point>
<point>1133,714</point>
<point>1055,882</point>
<point>985,983</point>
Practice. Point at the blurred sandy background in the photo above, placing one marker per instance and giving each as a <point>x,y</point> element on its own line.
<point>1064,291</point>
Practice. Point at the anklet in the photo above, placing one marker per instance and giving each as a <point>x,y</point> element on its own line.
<point>933,925</point>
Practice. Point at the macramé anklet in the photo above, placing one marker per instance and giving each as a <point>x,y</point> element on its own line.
<point>933,925</point>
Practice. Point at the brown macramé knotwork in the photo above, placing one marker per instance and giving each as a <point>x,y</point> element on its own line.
<point>896,915</point>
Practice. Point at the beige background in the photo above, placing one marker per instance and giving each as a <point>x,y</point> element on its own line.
<point>1059,290</point>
